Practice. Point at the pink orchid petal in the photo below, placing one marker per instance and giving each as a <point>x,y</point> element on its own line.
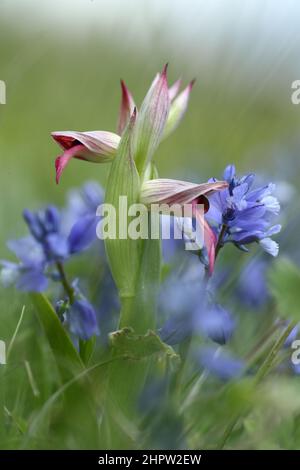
<point>210,239</point>
<point>62,161</point>
<point>126,109</point>
<point>167,191</point>
<point>151,120</point>
<point>92,146</point>
<point>178,109</point>
<point>98,142</point>
<point>174,89</point>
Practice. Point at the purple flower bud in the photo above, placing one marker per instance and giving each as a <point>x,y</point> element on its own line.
<point>220,364</point>
<point>81,319</point>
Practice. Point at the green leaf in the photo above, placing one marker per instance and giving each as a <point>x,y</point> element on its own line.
<point>86,349</point>
<point>67,358</point>
<point>127,344</point>
<point>123,252</point>
<point>284,283</point>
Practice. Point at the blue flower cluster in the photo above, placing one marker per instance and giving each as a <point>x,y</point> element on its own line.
<point>55,236</point>
<point>189,310</point>
<point>242,214</point>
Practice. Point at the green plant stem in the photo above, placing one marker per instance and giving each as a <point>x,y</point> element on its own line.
<point>220,240</point>
<point>268,363</point>
<point>127,313</point>
<point>263,371</point>
<point>66,285</point>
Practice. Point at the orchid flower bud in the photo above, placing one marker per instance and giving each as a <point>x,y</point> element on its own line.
<point>151,121</point>
<point>177,109</point>
<point>174,89</point>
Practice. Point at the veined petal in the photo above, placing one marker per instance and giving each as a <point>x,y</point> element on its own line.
<point>168,191</point>
<point>93,146</point>
<point>270,246</point>
<point>99,142</point>
<point>62,161</point>
<point>151,121</point>
<point>210,239</point>
<point>178,109</point>
<point>126,108</point>
<point>174,89</point>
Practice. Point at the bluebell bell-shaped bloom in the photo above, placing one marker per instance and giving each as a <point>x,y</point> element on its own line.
<point>81,319</point>
<point>191,311</point>
<point>252,287</point>
<point>48,243</point>
<point>215,322</point>
<point>220,363</point>
<point>28,274</point>
<point>79,217</point>
<point>44,226</point>
<point>246,213</point>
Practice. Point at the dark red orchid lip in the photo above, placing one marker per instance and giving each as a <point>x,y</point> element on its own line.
<point>202,200</point>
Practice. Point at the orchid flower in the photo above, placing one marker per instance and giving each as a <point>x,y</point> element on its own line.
<point>160,113</point>
<point>169,192</point>
<point>93,146</point>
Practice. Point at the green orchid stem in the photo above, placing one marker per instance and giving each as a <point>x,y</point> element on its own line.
<point>66,285</point>
<point>263,371</point>
<point>127,313</point>
<point>268,363</point>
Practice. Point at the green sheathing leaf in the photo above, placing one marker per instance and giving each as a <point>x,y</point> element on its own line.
<point>67,358</point>
<point>123,254</point>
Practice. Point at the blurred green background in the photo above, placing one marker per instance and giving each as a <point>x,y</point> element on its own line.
<point>62,61</point>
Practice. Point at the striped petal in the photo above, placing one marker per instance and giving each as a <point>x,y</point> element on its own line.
<point>126,108</point>
<point>168,191</point>
<point>174,89</point>
<point>178,109</point>
<point>93,146</point>
<point>151,121</point>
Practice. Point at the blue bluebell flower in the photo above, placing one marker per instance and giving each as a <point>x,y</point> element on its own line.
<point>190,311</point>
<point>215,322</point>
<point>28,274</point>
<point>245,213</point>
<point>79,217</point>
<point>81,319</point>
<point>46,229</point>
<point>252,287</point>
<point>220,363</point>
<point>54,237</point>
